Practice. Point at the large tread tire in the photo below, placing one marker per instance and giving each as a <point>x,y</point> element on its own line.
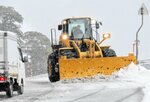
<point>107,52</point>
<point>54,77</point>
<point>9,92</point>
<point>53,71</point>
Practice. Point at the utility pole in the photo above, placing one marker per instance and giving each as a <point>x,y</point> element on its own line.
<point>142,11</point>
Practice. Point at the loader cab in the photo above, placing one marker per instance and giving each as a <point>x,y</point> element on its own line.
<point>77,28</point>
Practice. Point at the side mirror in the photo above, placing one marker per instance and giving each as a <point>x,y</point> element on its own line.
<point>100,23</point>
<point>97,25</point>
<point>59,27</point>
<point>25,59</point>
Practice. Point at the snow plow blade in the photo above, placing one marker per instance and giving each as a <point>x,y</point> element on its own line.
<point>78,68</point>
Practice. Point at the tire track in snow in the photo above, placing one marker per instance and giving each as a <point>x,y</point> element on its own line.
<point>104,96</point>
<point>136,92</point>
<point>36,97</point>
<point>88,95</point>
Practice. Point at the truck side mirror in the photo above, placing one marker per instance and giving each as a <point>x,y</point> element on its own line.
<point>97,25</point>
<point>25,59</point>
<point>60,27</point>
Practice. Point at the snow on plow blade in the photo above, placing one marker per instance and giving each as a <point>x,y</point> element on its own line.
<point>77,68</point>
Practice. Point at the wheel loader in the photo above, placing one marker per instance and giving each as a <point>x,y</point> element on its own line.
<point>79,52</point>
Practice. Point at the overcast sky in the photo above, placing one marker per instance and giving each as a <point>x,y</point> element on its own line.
<point>119,17</point>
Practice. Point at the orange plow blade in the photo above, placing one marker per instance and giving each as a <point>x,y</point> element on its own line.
<point>77,68</point>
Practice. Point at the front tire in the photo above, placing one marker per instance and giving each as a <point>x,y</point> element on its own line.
<point>53,68</point>
<point>54,73</point>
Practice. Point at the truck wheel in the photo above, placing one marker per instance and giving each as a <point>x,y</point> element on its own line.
<point>9,92</point>
<point>54,76</point>
<point>109,52</point>
<point>20,89</point>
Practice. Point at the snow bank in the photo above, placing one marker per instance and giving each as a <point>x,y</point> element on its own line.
<point>138,74</point>
<point>130,71</point>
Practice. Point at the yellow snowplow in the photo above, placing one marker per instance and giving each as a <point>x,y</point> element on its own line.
<point>79,52</point>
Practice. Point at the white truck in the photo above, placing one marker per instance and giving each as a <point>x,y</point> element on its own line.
<point>12,68</point>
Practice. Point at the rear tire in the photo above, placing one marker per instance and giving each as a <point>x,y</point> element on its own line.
<point>9,92</point>
<point>109,52</point>
<point>20,89</point>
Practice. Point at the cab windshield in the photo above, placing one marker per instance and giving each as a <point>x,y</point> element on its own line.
<point>79,28</point>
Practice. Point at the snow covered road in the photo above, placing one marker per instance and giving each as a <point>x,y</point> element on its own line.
<point>44,91</point>
<point>114,89</point>
<point>95,92</point>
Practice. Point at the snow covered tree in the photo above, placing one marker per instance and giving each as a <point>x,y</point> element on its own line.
<point>36,45</point>
<point>10,20</point>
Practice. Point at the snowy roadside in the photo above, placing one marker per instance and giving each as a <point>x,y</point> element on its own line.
<point>139,74</point>
<point>132,80</point>
<point>131,84</point>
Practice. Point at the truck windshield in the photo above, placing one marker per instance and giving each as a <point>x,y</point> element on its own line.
<point>1,49</point>
<point>79,28</point>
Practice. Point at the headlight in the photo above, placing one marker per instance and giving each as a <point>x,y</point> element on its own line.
<point>64,22</point>
<point>106,35</point>
<point>64,36</point>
